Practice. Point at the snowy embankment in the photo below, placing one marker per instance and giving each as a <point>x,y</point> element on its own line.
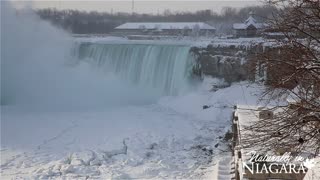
<point>174,138</point>
<point>192,41</point>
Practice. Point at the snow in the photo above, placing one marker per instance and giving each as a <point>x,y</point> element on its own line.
<point>173,138</point>
<point>119,40</point>
<point>314,172</point>
<point>194,42</point>
<point>90,38</point>
<point>165,25</point>
<point>239,26</point>
<point>251,20</point>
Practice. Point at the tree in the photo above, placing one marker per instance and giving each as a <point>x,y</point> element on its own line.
<point>293,72</point>
<point>105,22</point>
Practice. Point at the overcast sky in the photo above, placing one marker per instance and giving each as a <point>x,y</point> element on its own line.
<point>142,6</point>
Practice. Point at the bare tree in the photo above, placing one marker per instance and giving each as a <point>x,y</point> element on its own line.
<point>293,71</point>
<point>83,22</point>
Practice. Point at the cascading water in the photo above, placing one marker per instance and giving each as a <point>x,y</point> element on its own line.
<point>35,69</point>
<point>164,68</point>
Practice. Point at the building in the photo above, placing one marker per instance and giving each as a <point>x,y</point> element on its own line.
<point>165,29</point>
<point>250,28</point>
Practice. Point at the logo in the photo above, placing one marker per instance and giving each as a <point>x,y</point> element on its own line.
<point>286,163</point>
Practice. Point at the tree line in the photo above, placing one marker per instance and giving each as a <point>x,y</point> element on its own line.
<point>93,22</point>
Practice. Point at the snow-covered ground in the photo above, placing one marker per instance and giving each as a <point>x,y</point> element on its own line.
<point>192,41</point>
<point>173,138</point>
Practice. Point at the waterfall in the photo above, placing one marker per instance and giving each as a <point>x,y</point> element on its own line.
<point>36,72</point>
<point>162,67</point>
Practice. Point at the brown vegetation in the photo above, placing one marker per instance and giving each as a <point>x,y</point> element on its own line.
<point>293,72</point>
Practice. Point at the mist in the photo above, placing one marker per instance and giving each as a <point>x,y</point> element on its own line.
<point>35,70</point>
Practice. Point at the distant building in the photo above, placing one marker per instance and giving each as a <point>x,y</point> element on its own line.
<point>166,29</point>
<point>250,28</point>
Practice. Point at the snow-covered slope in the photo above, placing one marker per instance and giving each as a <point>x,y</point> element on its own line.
<point>174,138</point>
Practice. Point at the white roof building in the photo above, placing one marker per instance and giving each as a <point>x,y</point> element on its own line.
<point>251,21</point>
<point>142,30</point>
<point>250,28</point>
<point>165,25</point>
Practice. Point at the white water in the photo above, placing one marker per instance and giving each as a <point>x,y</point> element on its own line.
<point>164,68</point>
<point>37,69</point>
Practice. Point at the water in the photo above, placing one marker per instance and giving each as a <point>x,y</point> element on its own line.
<point>38,69</point>
<point>55,104</point>
<point>164,68</point>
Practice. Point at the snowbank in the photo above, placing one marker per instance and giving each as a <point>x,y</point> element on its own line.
<point>174,138</point>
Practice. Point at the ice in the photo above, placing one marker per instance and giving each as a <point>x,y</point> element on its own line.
<point>173,138</point>
<point>67,120</point>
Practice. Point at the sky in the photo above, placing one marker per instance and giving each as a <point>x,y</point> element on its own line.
<point>142,6</point>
